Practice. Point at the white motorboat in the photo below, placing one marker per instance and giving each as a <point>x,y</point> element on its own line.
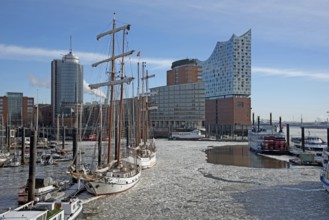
<point>68,209</point>
<point>186,134</point>
<point>45,189</point>
<point>311,143</point>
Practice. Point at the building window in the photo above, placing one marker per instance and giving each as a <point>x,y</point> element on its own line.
<point>240,104</point>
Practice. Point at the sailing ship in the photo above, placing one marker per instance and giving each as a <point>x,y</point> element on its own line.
<point>146,149</point>
<point>118,175</point>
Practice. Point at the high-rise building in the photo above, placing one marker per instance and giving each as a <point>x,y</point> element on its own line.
<point>181,103</point>
<point>184,71</point>
<point>16,110</point>
<point>227,78</point>
<point>66,86</point>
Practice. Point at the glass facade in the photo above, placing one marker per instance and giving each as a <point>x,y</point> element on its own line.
<point>66,83</point>
<point>180,105</point>
<point>15,109</point>
<point>227,72</point>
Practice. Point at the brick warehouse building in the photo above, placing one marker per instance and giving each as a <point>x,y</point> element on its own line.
<point>227,80</point>
<point>16,110</point>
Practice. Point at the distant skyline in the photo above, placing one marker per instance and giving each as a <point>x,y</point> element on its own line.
<point>290,45</point>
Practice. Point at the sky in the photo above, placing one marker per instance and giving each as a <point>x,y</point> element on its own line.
<point>290,45</point>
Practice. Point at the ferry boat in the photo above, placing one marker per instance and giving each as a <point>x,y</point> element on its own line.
<point>266,139</point>
<point>186,134</point>
<point>68,209</point>
<point>311,143</point>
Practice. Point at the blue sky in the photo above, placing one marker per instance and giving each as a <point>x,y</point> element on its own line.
<point>290,44</point>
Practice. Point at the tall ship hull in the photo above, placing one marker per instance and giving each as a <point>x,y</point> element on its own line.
<point>119,176</point>
<point>112,184</point>
<point>148,161</point>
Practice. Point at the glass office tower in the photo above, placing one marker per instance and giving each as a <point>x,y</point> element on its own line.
<point>66,85</point>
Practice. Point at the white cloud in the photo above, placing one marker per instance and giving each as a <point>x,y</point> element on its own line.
<point>291,73</point>
<point>97,92</point>
<point>34,81</point>
<point>13,52</point>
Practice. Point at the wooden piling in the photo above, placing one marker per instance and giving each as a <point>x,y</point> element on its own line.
<point>303,138</point>
<point>63,138</point>
<point>288,135</point>
<point>32,164</point>
<point>328,137</point>
<point>23,147</point>
<point>99,147</point>
<point>75,147</point>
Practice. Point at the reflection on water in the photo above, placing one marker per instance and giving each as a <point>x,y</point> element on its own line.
<point>239,155</point>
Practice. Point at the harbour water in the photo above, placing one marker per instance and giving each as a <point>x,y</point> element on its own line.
<point>184,185</point>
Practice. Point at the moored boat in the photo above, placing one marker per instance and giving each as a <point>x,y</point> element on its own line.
<point>45,189</point>
<point>68,209</point>
<point>146,154</point>
<point>186,134</point>
<point>118,175</point>
<point>266,139</point>
<point>311,143</point>
<point>118,179</point>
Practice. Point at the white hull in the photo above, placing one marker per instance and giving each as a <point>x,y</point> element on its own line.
<point>186,135</point>
<point>147,162</point>
<point>111,185</point>
<point>267,140</point>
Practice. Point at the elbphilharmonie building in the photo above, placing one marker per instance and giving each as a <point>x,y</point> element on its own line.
<point>227,81</point>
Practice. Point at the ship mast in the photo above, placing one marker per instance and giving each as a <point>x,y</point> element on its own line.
<point>121,96</point>
<point>113,82</point>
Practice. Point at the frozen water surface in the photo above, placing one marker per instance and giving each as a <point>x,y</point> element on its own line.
<point>182,185</point>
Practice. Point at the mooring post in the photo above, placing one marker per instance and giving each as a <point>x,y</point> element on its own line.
<point>303,139</point>
<point>63,138</point>
<point>23,146</point>
<point>99,146</point>
<point>75,147</point>
<point>328,138</point>
<point>32,163</point>
<point>288,135</point>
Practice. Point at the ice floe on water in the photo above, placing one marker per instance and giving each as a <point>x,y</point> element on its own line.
<point>182,185</point>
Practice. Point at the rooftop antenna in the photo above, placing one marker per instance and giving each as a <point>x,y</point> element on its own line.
<point>70,43</point>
